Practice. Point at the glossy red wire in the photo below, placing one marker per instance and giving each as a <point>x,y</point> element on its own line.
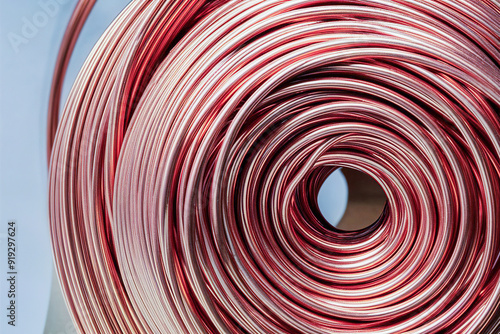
<point>75,25</point>
<point>188,159</point>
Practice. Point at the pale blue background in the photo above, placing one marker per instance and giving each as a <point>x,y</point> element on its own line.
<point>25,77</point>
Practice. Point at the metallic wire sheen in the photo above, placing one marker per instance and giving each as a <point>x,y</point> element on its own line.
<point>190,152</point>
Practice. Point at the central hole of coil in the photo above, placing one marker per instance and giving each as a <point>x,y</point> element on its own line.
<point>351,200</point>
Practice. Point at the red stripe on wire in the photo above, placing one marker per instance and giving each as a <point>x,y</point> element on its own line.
<point>189,155</point>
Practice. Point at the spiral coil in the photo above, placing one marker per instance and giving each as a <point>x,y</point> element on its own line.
<point>188,159</point>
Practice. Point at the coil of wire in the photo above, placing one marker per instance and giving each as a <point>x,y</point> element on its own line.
<point>189,154</point>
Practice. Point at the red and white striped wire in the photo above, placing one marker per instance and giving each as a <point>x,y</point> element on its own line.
<point>187,161</point>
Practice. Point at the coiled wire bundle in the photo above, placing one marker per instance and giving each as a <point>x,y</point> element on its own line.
<point>188,158</point>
